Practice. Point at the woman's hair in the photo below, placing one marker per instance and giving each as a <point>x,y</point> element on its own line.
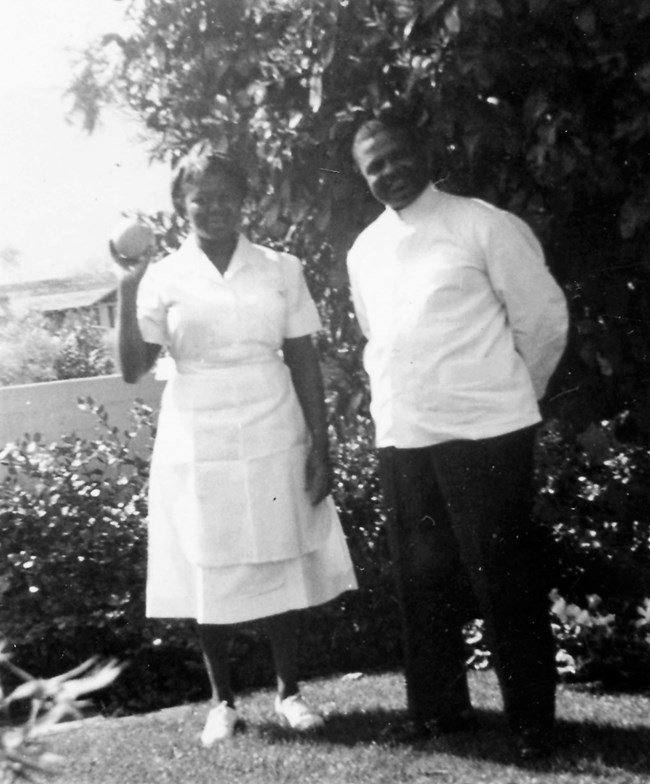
<point>201,160</point>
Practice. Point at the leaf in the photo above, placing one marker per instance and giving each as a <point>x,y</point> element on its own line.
<point>410,26</point>
<point>642,77</point>
<point>596,444</point>
<point>316,90</point>
<point>586,21</point>
<point>452,21</point>
<point>295,118</point>
<point>471,142</point>
<point>257,92</point>
<point>432,8</point>
<point>404,9</point>
<point>493,8</point>
<point>537,6</point>
<point>272,214</point>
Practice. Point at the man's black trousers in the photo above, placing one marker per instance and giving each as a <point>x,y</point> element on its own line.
<point>459,519</point>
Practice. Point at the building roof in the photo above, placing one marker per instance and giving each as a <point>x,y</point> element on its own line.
<point>47,296</point>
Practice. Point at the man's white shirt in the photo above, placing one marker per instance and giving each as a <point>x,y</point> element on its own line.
<point>465,324</point>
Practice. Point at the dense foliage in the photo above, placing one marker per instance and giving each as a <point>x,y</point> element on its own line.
<point>72,530</point>
<point>593,498</point>
<point>604,643</point>
<point>538,106</point>
<point>33,348</point>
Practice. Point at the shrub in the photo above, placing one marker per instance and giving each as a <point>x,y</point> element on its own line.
<point>72,532</point>
<point>34,349</point>
<point>27,351</point>
<point>84,349</point>
<point>72,529</point>
<point>362,629</point>
<point>594,495</point>
<point>606,643</point>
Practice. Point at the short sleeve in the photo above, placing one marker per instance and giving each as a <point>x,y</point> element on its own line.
<point>152,312</point>
<point>302,315</point>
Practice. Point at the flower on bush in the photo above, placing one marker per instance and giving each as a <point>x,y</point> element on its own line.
<point>644,620</point>
<point>611,648</point>
<point>478,654</point>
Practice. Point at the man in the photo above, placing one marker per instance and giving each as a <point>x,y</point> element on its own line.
<point>465,326</point>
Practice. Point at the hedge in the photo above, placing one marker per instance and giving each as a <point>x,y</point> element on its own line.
<point>73,538</point>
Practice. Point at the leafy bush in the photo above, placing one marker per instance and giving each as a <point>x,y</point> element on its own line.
<point>27,351</point>
<point>72,532</point>
<point>34,349</point>
<point>84,349</point>
<point>594,495</point>
<point>607,643</point>
<point>362,629</point>
<point>72,529</point>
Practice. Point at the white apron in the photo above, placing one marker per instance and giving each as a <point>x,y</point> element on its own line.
<point>229,462</point>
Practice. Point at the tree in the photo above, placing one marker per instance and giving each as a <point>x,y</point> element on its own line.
<point>538,106</point>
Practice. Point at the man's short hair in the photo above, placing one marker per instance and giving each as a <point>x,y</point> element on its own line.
<point>395,123</point>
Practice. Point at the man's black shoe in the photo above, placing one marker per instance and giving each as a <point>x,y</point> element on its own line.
<point>411,731</point>
<point>533,746</point>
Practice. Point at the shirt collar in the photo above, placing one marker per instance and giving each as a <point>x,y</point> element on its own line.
<point>419,209</point>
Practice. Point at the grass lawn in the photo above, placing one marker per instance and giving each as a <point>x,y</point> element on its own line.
<point>602,738</point>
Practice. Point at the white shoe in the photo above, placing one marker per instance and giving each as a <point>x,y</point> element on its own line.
<point>295,712</point>
<point>220,725</point>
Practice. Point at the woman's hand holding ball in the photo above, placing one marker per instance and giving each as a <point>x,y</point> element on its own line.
<point>131,244</point>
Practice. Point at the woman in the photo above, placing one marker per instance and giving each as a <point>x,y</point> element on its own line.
<point>241,525</point>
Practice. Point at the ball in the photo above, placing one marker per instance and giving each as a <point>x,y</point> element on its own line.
<point>132,239</point>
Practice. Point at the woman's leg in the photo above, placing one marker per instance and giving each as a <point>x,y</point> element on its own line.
<point>289,705</point>
<point>214,642</point>
<point>283,633</point>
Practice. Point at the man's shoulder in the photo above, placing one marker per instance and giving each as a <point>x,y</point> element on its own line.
<point>483,216</point>
<point>481,207</point>
<point>471,205</point>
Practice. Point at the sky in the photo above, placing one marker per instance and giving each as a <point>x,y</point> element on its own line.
<point>62,190</point>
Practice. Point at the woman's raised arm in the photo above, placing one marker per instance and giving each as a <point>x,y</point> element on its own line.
<point>136,356</point>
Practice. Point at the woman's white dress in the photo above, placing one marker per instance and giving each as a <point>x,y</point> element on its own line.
<point>232,533</point>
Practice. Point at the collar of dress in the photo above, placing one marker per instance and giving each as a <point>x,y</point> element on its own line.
<point>240,257</point>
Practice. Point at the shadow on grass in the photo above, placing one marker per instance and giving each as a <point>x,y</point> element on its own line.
<point>579,745</point>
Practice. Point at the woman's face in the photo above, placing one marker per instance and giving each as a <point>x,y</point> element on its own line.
<point>213,206</point>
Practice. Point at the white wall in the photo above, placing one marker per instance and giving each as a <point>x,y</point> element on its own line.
<point>51,408</point>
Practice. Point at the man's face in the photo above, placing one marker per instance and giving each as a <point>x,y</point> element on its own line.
<point>395,170</point>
